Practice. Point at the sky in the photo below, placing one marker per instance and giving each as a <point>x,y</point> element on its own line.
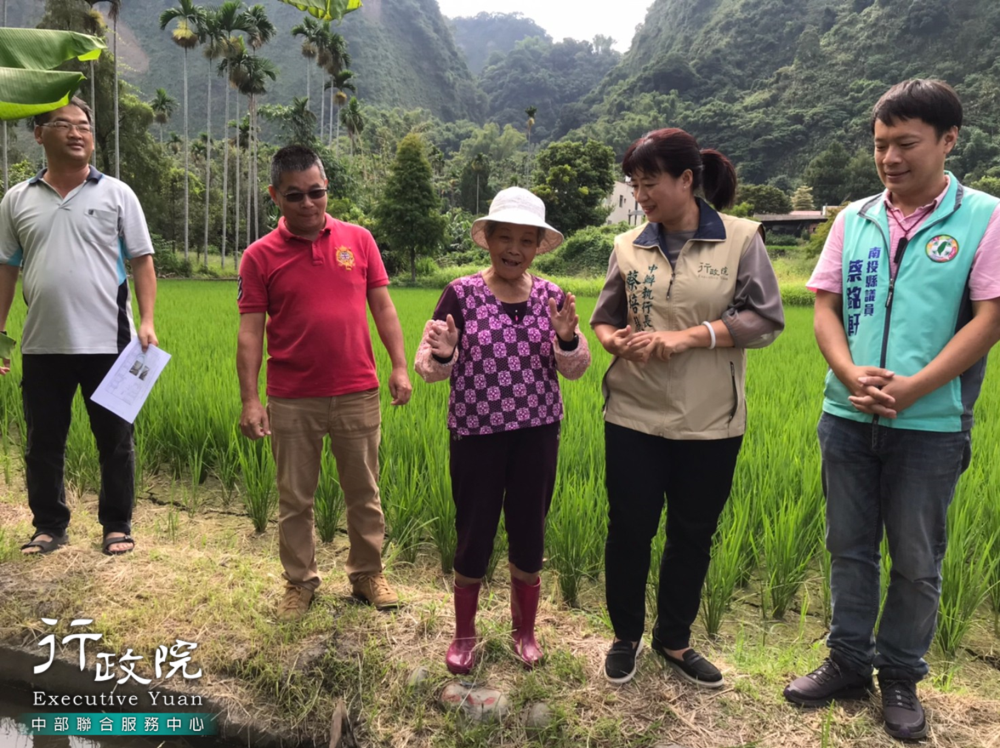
<point>579,19</point>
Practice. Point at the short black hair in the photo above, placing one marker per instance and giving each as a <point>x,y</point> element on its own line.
<point>41,119</point>
<point>294,158</point>
<point>933,101</point>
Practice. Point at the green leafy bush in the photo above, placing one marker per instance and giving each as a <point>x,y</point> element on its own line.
<point>796,294</point>
<point>586,251</point>
<point>170,264</point>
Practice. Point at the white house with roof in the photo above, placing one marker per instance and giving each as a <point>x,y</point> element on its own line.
<point>624,207</point>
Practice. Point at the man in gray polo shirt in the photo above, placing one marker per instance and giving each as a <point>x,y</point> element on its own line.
<point>71,229</point>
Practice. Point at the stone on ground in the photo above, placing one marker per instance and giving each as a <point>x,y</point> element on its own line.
<point>539,717</point>
<point>419,675</point>
<point>480,704</point>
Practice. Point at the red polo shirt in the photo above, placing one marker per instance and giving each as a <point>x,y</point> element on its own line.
<point>315,295</point>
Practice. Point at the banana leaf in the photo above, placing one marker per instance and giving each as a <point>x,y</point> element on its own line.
<point>44,49</point>
<point>325,10</point>
<point>28,85</point>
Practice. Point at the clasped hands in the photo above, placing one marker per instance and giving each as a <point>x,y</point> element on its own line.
<point>880,392</point>
<point>642,346</point>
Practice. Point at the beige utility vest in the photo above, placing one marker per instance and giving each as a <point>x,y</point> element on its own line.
<point>698,394</point>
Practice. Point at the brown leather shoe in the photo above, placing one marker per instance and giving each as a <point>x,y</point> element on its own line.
<point>375,591</point>
<point>294,604</point>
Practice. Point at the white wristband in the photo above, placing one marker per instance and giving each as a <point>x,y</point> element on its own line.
<point>711,331</point>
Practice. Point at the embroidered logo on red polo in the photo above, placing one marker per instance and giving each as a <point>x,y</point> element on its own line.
<point>942,248</point>
<point>345,258</point>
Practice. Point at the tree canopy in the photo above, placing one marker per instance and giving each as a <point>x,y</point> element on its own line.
<point>573,178</point>
<point>408,218</point>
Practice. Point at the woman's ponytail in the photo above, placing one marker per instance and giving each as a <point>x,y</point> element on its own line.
<point>718,179</point>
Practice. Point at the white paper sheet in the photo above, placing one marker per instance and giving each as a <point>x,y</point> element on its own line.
<point>128,384</point>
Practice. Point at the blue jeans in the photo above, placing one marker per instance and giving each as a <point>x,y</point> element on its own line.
<point>903,480</point>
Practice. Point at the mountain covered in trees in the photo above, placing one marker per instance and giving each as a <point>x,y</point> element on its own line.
<point>551,78</point>
<point>402,52</point>
<point>486,34</point>
<point>784,87</point>
<point>773,83</point>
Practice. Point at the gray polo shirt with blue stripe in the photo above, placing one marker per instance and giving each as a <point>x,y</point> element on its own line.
<point>72,252</point>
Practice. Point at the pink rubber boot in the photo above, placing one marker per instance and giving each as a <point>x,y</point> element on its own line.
<point>462,652</point>
<point>523,607</point>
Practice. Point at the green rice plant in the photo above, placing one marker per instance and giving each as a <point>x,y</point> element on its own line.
<point>196,469</point>
<point>260,494</point>
<point>196,462</point>
<point>173,522</point>
<point>987,453</point>
<point>993,580</point>
<point>82,471</point>
<point>656,549</point>
<point>5,458</point>
<point>990,500</point>
<point>21,427</point>
<point>730,559</point>
<point>826,737</point>
<point>803,614</point>
<point>966,568</point>
<point>402,494</point>
<point>439,510</point>
<point>885,574</point>
<point>227,467</point>
<point>574,534</point>
<point>9,546</point>
<point>789,540</point>
<point>329,504</point>
<point>744,492</point>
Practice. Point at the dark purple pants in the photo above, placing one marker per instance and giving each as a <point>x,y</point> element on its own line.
<point>513,471</point>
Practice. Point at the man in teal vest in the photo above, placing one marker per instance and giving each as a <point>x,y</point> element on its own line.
<point>907,307</point>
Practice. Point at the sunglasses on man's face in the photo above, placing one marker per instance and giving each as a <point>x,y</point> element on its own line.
<point>298,197</point>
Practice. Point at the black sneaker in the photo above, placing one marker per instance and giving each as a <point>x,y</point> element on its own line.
<point>828,682</point>
<point>901,710</point>
<point>619,663</point>
<point>692,667</point>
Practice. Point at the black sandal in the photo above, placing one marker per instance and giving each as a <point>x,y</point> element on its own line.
<point>110,541</point>
<point>45,546</point>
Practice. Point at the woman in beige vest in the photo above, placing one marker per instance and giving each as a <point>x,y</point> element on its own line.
<point>686,294</point>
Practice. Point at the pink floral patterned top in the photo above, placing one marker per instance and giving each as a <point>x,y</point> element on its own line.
<point>503,373</point>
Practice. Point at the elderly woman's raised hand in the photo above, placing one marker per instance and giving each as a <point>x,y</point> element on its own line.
<point>565,320</point>
<point>443,337</point>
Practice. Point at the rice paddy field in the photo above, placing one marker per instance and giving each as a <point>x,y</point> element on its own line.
<point>768,561</point>
<point>771,536</point>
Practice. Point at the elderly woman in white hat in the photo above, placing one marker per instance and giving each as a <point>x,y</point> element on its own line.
<point>502,335</point>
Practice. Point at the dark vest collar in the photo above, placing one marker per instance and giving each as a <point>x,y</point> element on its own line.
<point>710,228</point>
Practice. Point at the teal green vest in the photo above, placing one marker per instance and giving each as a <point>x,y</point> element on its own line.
<point>903,325</point>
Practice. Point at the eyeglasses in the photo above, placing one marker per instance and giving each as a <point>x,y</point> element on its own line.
<point>67,126</point>
<point>298,197</point>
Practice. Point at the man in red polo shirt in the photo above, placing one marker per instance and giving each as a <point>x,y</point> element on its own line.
<point>313,277</point>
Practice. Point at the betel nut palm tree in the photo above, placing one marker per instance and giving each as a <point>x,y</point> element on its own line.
<point>190,19</point>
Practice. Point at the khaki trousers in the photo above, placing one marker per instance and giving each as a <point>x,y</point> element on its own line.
<point>298,426</point>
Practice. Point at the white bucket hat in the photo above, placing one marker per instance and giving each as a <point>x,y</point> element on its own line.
<point>517,205</point>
